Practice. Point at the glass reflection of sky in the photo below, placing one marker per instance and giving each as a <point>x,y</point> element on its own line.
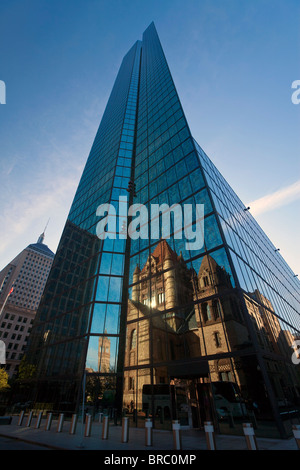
<point>92,355</point>
<point>106,317</point>
<point>109,289</point>
<point>112,263</point>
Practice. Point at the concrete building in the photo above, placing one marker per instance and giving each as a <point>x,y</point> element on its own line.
<point>22,284</point>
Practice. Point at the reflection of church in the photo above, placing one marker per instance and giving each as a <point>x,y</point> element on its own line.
<point>104,353</point>
<point>219,317</point>
<point>176,316</point>
<point>163,289</point>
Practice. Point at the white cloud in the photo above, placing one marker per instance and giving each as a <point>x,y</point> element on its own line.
<point>37,185</point>
<point>28,210</point>
<point>275,200</point>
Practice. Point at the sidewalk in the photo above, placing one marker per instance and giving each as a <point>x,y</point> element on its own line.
<point>192,440</point>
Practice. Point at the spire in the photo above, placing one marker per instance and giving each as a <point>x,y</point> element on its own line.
<point>42,236</point>
<point>137,270</point>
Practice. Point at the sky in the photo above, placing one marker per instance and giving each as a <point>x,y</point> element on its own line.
<point>233,63</point>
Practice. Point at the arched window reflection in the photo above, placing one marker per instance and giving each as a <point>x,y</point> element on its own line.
<point>206,314</point>
<point>133,339</point>
<point>216,309</point>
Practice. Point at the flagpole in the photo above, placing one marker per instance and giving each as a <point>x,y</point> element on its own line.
<point>2,285</point>
<point>4,303</point>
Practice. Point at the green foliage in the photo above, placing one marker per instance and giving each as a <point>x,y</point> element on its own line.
<point>3,380</point>
<point>26,370</point>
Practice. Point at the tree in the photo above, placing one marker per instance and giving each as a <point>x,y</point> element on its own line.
<point>26,370</point>
<point>3,380</point>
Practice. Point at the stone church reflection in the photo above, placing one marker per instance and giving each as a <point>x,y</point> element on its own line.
<point>186,331</point>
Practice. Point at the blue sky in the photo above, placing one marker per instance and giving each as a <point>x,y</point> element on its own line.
<point>233,63</point>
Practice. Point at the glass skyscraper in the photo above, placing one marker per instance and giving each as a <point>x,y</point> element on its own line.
<point>147,324</point>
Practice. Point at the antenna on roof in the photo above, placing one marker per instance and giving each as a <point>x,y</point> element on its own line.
<point>46,225</point>
<point>42,236</point>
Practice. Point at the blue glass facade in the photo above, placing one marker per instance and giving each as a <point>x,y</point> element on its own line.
<point>157,327</point>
